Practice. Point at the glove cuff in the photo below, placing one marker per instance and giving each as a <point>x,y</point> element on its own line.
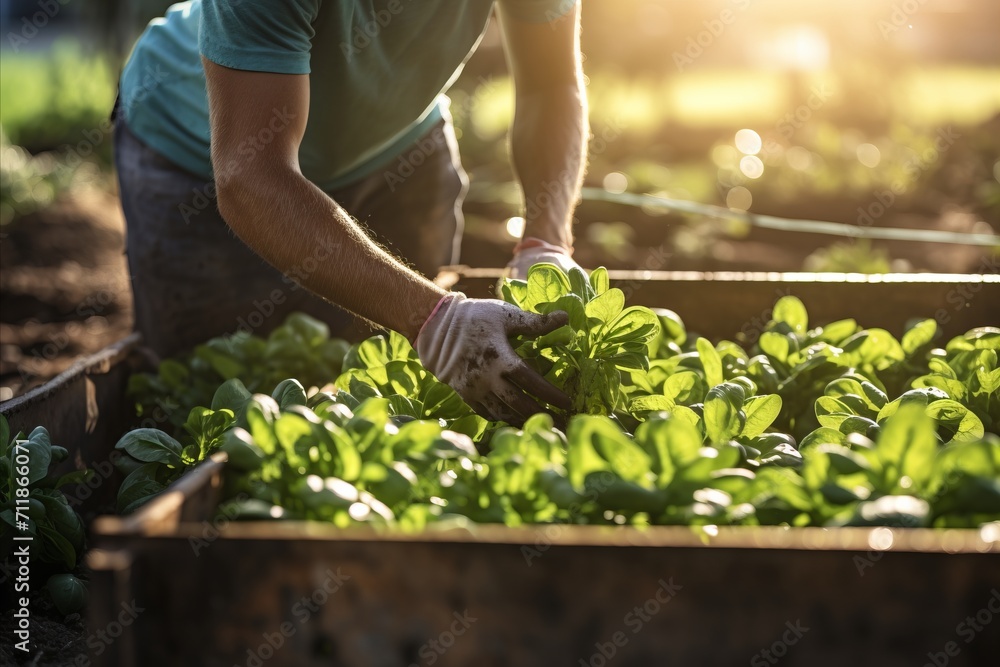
<point>442,304</point>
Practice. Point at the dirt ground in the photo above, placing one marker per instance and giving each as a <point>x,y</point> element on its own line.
<point>56,640</point>
<point>63,288</point>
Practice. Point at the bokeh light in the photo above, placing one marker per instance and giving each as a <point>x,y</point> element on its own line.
<point>739,198</point>
<point>515,227</point>
<point>616,182</point>
<point>799,158</point>
<point>748,142</point>
<point>751,166</point>
<point>869,155</point>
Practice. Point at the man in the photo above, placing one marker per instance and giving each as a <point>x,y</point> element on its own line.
<point>279,121</point>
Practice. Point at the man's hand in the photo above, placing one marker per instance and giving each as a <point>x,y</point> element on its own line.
<point>531,251</point>
<point>464,343</point>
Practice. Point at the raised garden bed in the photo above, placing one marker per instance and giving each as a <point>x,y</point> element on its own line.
<point>220,593</point>
<point>213,590</point>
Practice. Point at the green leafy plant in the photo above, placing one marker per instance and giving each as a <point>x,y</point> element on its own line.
<point>388,367</point>
<point>587,357</point>
<point>301,347</point>
<point>151,459</point>
<point>331,463</point>
<point>44,513</point>
<point>816,425</point>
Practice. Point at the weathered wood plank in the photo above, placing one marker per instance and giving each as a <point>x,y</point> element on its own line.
<point>305,594</point>
<point>722,305</point>
<point>84,410</point>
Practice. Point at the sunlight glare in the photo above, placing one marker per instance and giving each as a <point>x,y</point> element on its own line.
<point>515,227</point>
<point>748,142</point>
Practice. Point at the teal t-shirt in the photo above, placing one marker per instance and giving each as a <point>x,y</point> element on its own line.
<point>378,72</point>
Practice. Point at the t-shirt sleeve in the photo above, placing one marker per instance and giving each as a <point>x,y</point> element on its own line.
<point>258,35</point>
<point>538,11</point>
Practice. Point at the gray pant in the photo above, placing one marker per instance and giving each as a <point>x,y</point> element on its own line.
<point>193,279</point>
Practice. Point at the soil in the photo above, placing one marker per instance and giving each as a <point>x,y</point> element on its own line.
<point>56,640</point>
<point>947,199</point>
<point>63,288</point>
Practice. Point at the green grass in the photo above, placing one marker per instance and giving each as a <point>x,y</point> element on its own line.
<point>51,98</point>
<point>944,95</point>
<point>749,98</point>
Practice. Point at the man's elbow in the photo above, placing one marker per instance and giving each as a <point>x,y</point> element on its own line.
<point>239,195</point>
<point>230,199</point>
<point>250,196</point>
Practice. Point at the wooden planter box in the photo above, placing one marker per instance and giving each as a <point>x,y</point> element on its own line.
<point>308,594</point>
<point>217,593</point>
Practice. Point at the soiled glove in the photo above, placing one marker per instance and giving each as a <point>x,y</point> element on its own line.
<point>531,251</point>
<point>465,343</point>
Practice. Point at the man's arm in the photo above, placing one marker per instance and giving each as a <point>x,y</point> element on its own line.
<point>549,135</point>
<point>284,218</point>
<point>257,124</point>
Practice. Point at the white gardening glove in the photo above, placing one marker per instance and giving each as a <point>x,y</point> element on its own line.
<point>465,343</point>
<point>531,251</point>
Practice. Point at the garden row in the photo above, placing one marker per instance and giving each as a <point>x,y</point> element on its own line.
<point>823,426</point>
<point>810,426</point>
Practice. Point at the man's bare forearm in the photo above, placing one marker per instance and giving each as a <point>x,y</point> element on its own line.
<point>287,220</point>
<point>549,139</point>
